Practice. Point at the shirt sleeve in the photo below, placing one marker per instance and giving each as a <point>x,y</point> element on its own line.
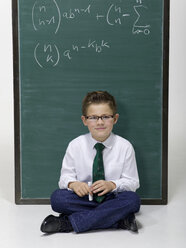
<point>68,171</point>
<point>129,180</point>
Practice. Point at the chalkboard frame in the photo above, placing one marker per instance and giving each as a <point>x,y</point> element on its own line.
<point>16,78</point>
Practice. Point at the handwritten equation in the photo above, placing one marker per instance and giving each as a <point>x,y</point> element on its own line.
<point>47,16</point>
<point>49,54</point>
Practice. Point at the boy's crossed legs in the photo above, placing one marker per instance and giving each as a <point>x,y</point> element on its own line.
<point>84,215</point>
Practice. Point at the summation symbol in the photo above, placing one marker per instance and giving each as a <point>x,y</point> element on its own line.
<point>138,27</point>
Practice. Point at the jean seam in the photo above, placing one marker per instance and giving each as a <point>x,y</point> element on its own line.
<point>73,224</point>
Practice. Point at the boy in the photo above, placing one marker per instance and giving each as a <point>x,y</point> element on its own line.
<point>98,177</point>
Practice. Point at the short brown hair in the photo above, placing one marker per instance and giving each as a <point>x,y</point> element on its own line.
<point>96,97</point>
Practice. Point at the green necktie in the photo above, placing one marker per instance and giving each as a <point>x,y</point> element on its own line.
<point>98,169</point>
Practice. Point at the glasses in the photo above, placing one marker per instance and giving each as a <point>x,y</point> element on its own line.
<point>95,118</point>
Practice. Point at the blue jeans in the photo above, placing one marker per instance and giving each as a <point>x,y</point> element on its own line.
<point>87,215</point>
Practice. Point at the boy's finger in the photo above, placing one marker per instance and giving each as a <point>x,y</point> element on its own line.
<point>97,182</point>
<point>90,191</point>
<point>102,193</point>
<point>85,190</point>
<point>99,189</point>
<point>96,187</point>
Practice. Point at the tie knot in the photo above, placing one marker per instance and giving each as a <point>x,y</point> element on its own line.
<point>99,147</point>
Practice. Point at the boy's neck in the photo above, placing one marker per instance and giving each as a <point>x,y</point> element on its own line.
<point>101,139</point>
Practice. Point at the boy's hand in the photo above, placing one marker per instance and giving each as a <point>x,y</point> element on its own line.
<point>80,188</point>
<point>102,185</point>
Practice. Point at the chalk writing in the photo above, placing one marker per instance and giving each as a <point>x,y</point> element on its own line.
<point>109,17</point>
<point>91,44</point>
<point>43,16</point>
<point>46,55</point>
<point>73,13</point>
<point>47,17</point>
<point>137,28</point>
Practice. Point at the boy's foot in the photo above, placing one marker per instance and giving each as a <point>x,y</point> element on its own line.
<point>53,224</point>
<point>129,223</point>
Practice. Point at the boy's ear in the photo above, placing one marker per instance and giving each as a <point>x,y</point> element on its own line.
<point>84,120</point>
<point>116,117</point>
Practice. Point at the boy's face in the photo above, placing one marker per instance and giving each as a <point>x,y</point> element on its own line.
<point>100,129</point>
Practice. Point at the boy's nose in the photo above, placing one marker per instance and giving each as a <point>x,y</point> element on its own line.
<point>100,121</point>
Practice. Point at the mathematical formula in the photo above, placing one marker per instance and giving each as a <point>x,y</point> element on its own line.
<point>49,54</point>
<point>47,15</point>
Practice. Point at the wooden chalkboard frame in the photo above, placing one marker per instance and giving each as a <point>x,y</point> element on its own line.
<point>18,198</point>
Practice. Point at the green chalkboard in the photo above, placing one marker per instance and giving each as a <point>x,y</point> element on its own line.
<point>66,48</point>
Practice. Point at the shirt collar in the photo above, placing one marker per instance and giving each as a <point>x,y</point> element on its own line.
<point>109,142</point>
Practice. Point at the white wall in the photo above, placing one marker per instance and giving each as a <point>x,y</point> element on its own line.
<point>177,95</point>
<point>177,86</point>
<point>6,103</point>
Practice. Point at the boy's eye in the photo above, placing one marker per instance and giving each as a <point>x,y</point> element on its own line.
<point>92,118</point>
<point>106,117</point>
<point>96,118</point>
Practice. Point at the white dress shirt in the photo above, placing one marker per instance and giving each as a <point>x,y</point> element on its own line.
<point>118,158</point>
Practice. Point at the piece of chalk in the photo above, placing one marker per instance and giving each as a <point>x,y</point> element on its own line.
<point>90,197</point>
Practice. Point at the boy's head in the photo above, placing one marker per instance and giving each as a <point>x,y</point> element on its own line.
<point>99,114</point>
<point>97,97</point>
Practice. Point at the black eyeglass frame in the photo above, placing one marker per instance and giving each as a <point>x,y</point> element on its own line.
<point>96,118</point>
